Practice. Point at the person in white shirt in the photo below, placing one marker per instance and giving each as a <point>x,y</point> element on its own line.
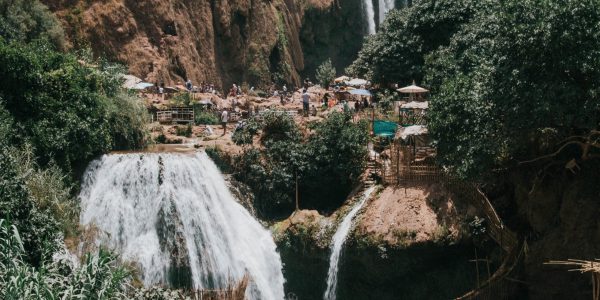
<point>224,119</point>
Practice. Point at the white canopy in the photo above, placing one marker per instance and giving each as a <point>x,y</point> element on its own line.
<point>130,81</point>
<point>357,82</point>
<point>412,89</point>
<point>405,132</point>
<point>416,104</point>
<point>342,79</point>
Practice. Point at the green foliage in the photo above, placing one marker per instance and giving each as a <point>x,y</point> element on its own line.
<point>182,99</point>
<point>396,52</point>
<point>29,20</point>
<point>184,130</point>
<point>326,164</point>
<point>518,70</point>
<point>206,118</point>
<point>325,73</point>
<point>99,277</point>
<point>38,229</point>
<point>69,111</point>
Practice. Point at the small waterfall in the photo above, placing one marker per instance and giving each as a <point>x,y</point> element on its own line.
<point>173,216</point>
<point>338,242</point>
<point>384,7</point>
<point>370,14</point>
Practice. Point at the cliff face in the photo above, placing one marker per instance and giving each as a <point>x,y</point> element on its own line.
<point>223,42</point>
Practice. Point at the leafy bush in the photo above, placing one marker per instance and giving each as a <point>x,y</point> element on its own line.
<point>38,228</point>
<point>325,73</point>
<point>504,86</point>
<point>396,53</point>
<point>182,99</point>
<point>326,164</point>
<point>29,20</point>
<point>206,118</point>
<point>69,111</point>
<point>184,130</point>
<point>99,277</point>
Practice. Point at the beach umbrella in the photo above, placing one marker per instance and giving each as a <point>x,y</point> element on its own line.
<point>412,89</point>
<point>360,92</point>
<point>357,82</point>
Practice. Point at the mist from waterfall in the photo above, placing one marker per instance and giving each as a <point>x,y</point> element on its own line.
<point>174,217</point>
<point>339,238</point>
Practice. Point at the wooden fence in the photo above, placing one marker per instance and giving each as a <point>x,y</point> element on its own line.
<point>176,115</point>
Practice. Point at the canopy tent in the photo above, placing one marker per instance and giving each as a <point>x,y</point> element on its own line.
<point>384,128</point>
<point>142,86</point>
<point>412,89</point>
<point>405,132</point>
<point>415,104</point>
<point>341,79</point>
<point>130,81</point>
<point>360,92</point>
<point>357,82</point>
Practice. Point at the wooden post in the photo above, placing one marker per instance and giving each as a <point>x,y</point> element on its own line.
<point>477,267</point>
<point>373,118</point>
<point>297,204</point>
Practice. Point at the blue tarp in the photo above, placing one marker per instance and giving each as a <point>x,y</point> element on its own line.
<point>385,128</point>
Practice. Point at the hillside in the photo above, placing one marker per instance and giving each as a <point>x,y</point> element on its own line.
<point>221,42</point>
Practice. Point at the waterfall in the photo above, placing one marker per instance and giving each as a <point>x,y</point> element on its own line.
<point>174,217</point>
<point>384,7</point>
<point>338,242</point>
<point>370,14</point>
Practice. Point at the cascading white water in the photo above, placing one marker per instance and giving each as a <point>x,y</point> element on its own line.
<point>384,7</point>
<point>338,242</point>
<point>370,14</point>
<point>174,212</point>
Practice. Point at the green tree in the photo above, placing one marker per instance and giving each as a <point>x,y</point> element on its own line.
<point>325,73</point>
<point>520,73</point>
<point>326,163</point>
<point>29,20</point>
<point>396,52</point>
<point>68,110</point>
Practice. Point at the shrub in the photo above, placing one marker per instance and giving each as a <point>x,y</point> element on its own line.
<point>69,111</point>
<point>206,118</point>
<point>29,20</point>
<point>325,73</point>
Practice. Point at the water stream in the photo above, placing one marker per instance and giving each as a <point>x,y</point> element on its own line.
<point>174,217</point>
<point>370,15</point>
<point>384,7</point>
<point>338,242</point>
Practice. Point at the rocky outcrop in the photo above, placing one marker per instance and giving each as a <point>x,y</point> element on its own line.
<point>556,212</point>
<point>406,244</point>
<point>223,42</point>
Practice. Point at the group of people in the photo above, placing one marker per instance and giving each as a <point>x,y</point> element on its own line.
<point>203,88</point>
<point>235,90</point>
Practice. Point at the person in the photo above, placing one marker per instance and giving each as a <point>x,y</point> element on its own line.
<point>284,90</point>
<point>305,101</point>
<point>357,106</point>
<point>281,99</point>
<point>161,91</point>
<point>224,119</point>
<point>313,111</point>
<point>365,103</point>
<point>188,85</point>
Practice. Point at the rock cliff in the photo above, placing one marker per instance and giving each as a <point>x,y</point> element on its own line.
<point>223,42</point>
